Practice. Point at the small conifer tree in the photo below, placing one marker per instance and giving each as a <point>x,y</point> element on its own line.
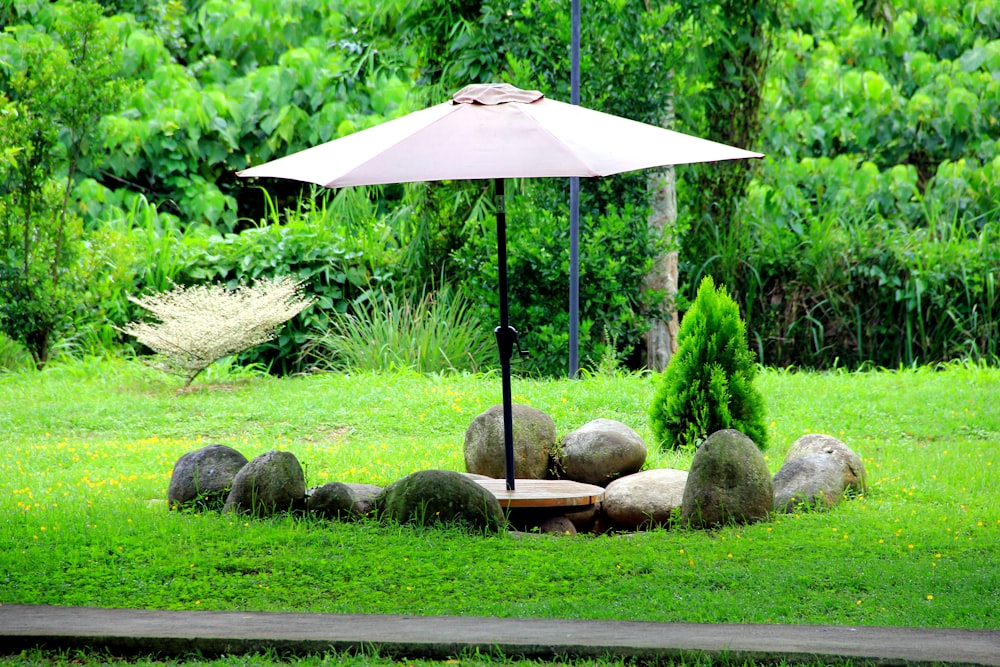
<point>708,384</point>
<point>202,324</point>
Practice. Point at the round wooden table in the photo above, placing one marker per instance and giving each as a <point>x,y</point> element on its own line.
<point>543,493</point>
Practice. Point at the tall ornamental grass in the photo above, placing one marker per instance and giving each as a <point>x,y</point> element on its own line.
<point>440,331</point>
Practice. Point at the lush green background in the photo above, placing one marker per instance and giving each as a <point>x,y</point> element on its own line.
<point>87,451</point>
<point>868,235</point>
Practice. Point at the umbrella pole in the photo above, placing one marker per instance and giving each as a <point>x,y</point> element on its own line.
<point>506,335</point>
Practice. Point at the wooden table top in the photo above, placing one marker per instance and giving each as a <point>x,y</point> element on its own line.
<point>543,493</point>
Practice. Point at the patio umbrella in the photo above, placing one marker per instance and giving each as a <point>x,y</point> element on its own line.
<point>495,131</point>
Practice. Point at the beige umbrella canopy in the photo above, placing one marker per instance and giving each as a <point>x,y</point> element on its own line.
<point>495,131</point>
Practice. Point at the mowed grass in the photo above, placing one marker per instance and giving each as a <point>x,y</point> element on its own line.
<point>86,452</point>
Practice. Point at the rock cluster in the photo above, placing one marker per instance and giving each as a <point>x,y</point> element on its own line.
<point>728,481</point>
<point>274,483</point>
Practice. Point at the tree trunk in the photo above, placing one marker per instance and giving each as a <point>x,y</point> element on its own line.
<point>661,339</point>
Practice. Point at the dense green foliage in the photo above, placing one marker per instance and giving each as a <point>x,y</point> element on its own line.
<point>868,236</point>
<point>871,230</point>
<point>538,258</point>
<point>56,87</point>
<point>709,383</point>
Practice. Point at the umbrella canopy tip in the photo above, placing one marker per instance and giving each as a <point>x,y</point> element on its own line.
<point>495,93</point>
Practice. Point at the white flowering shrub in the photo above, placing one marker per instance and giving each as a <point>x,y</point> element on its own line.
<point>202,324</point>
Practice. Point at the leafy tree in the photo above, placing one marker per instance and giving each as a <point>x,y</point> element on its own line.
<point>708,384</point>
<point>54,90</point>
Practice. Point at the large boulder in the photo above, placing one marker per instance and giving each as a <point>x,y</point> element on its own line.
<point>430,497</point>
<point>337,500</point>
<point>728,483</point>
<point>271,483</point>
<point>811,480</point>
<point>534,437</point>
<point>203,478</point>
<point>644,500</point>
<point>855,478</point>
<point>601,451</point>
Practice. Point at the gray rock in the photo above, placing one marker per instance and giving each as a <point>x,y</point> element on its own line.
<point>534,438</point>
<point>645,499</point>
<point>204,477</point>
<point>728,482</point>
<point>814,480</point>
<point>332,501</point>
<point>585,519</point>
<point>855,478</point>
<point>557,525</point>
<point>430,497</point>
<point>364,496</point>
<point>601,451</point>
<point>271,483</point>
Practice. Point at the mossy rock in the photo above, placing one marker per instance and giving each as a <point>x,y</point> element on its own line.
<point>534,438</point>
<point>202,479</point>
<point>433,497</point>
<point>728,483</point>
<point>270,484</point>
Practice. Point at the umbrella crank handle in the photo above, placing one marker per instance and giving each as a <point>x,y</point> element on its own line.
<point>507,338</point>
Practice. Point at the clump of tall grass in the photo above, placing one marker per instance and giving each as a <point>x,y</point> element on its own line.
<point>13,355</point>
<point>849,288</point>
<point>439,331</point>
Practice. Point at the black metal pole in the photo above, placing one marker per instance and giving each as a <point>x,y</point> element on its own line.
<point>574,209</point>
<point>506,335</point>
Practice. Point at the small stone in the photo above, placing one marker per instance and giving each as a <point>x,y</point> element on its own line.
<point>557,525</point>
<point>332,501</point>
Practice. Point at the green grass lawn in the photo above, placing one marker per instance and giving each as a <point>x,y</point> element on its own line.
<point>86,452</point>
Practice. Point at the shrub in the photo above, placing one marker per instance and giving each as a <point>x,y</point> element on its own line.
<point>200,325</point>
<point>337,263</point>
<point>55,85</point>
<point>708,384</point>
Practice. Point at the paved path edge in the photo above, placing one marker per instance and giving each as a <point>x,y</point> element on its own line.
<point>212,633</point>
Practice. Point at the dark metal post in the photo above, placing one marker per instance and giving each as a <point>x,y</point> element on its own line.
<point>574,210</point>
<point>506,334</point>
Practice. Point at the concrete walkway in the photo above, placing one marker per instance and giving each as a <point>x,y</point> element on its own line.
<point>129,631</point>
